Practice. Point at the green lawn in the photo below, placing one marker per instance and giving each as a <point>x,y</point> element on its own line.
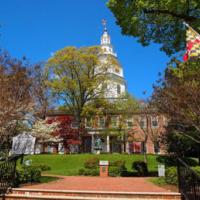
<point>70,164</point>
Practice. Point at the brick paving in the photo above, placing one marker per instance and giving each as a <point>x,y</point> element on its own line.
<point>123,184</point>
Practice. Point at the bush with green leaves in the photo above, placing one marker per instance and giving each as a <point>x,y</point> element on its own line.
<point>43,167</point>
<point>27,174</point>
<point>91,163</point>
<point>140,167</point>
<point>117,168</point>
<point>91,167</point>
<point>171,176</point>
<point>89,172</point>
<point>196,170</point>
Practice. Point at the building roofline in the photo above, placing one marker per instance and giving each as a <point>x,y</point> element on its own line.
<point>63,113</point>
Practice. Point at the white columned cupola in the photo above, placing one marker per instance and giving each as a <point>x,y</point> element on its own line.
<point>116,85</point>
<point>105,41</point>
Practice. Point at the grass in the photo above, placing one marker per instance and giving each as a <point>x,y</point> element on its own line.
<point>160,181</point>
<point>47,179</point>
<point>69,164</point>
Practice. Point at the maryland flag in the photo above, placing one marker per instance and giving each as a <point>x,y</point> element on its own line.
<point>192,45</point>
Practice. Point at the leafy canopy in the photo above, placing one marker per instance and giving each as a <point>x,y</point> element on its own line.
<point>159,21</point>
<point>178,96</point>
<point>76,76</point>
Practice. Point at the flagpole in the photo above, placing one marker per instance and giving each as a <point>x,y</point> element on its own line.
<point>188,26</point>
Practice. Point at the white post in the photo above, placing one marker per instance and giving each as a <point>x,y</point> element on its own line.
<point>108,144</point>
<point>92,145</point>
<point>127,148</point>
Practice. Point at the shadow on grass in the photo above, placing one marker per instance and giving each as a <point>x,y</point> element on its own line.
<point>135,174</point>
<point>47,179</point>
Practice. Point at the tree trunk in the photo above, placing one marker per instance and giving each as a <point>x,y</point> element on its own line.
<point>145,150</point>
<point>145,157</point>
<point>80,137</point>
<point>124,141</point>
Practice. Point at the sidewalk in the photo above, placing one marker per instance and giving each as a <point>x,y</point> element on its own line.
<point>123,184</point>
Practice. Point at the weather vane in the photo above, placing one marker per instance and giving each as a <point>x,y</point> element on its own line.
<point>104,23</point>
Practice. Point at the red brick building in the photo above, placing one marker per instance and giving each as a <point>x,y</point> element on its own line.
<point>132,133</point>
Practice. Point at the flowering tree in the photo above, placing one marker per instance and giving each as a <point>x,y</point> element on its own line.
<point>43,131</point>
<point>15,98</point>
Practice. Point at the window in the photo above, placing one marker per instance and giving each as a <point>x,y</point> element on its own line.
<point>154,122</point>
<point>137,147</point>
<point>101,122</point>
<point>114,121</point>
<point>74,125</point>
<point>130,122</point>
<point>156,147</point>
<point>165,121</point>
<point>88,122</point>
<point>143,122</point>
<point>118,89</point>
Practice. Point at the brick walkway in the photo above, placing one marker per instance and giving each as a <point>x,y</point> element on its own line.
<point>123,184</point>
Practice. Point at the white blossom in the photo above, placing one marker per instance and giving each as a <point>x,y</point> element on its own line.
<point>43,130</point>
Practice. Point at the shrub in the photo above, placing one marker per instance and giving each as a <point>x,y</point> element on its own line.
<point>91,163</point>
<point>197,170</point>
<point>91,167</point>
<point>114,171</point>
<point>117,168</point>
<point>42,167</point>
<point>27,174</point>
<point>89,172</point>
<point>140,167</point>
<point>81,171</point>
<point>171,176</point>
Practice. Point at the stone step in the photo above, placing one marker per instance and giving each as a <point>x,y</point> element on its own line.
<point>36,194</point>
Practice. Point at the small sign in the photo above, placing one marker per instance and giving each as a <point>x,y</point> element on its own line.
<point>103,163</point>
<point>23,144</point>
<point>161,170</point>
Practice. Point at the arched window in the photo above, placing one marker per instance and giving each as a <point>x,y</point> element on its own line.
<point>154,121</point>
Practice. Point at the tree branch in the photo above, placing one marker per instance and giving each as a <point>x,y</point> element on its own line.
<point>167,12</point>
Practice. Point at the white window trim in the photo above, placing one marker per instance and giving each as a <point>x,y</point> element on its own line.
<point>145,122</point>
<point>152,119</point>
<point>117,121</point>
<point>129,119</point>
<point>104,120</point>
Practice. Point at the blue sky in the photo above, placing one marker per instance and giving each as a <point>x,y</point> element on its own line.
<point>36,28</point>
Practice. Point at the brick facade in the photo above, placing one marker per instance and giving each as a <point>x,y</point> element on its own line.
<point>118,133</point>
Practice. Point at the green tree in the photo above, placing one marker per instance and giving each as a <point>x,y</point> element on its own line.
<point>159,21</point>
<point>76,77</point>
<point>178,97</point>
<point>124,107</point>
